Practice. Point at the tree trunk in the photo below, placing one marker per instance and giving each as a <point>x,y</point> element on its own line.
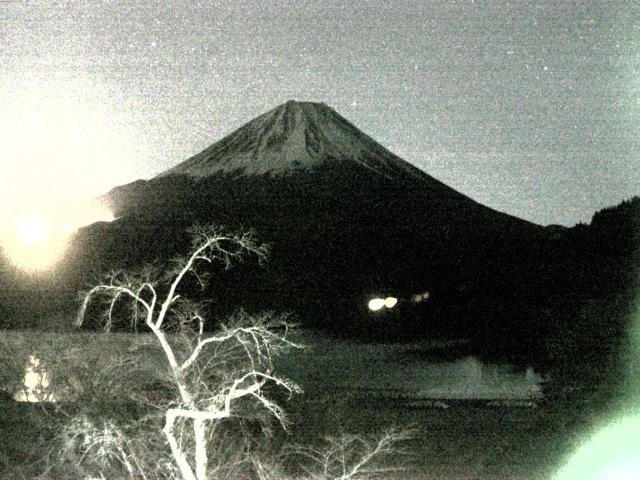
<point>199,431</point>
<point>178,455</point>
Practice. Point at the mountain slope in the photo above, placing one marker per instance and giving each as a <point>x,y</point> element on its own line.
<point>293,141</point>
<point>345,217</point>
<point>294,137</point>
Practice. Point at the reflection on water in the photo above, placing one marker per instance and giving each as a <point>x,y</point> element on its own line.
<point>470,378</point>
<point>383,369</point>
<point>35,384</point>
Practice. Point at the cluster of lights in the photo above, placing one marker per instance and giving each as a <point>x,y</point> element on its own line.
<point>420,297</point>
<point>376,304</point>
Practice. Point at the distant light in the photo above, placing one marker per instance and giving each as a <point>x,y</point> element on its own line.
<point>376,304</point>
<point>390,302</point>
<point>420,297</point>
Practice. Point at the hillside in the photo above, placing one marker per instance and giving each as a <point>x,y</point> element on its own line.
<point>346,219</point>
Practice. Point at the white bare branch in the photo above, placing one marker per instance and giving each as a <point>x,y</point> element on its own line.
<point>351,457</point>
<point>201,344</point>
<point>114,291</point>
<point>241,359</point>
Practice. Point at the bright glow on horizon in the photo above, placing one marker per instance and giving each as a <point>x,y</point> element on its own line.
<point>35,245</point>
<point>61,146</point>
<point>613,453</point>
<point>33,230</point>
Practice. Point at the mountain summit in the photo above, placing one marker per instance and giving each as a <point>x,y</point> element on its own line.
<point>346,220</point>
<point>294,137</point>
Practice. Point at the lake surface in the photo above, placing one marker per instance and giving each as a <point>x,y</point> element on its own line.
<point>394,370</point>
<point>332,366</point>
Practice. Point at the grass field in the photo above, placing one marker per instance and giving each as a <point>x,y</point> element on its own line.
<point>364,389</point>
<point>446,400</point>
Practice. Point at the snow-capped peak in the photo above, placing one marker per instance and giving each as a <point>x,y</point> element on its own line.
<point>293,137</point>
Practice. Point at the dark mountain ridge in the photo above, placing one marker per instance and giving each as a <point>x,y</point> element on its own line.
<point>348,220</point>
<point>306,149</point>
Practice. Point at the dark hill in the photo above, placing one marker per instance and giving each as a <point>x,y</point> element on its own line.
<point>346,218</point>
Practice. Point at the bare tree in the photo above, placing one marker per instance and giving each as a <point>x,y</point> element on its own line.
<point>207,389</point>
<point>353,457</point>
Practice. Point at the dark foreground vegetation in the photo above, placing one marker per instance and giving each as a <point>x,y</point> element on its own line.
<point>174,402</point>
<point>543,297</point>
<point>102,426</point>
<point>574,327</point>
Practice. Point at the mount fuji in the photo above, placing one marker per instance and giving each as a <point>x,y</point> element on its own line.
<point>293,138</point>
<point>346,219</point>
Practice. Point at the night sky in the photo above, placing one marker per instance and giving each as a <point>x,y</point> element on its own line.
<point>531,108</point>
